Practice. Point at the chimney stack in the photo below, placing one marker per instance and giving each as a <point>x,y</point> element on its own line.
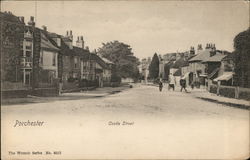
<point>44,28</point>
<point>213,50</point>
<point>31,22</point>
<point>192,51</point>
<point>80,42</point>
<point>21,19</point>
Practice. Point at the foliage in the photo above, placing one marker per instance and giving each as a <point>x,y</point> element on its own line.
<point>126,64</point>
<point>154,67</point>
<point>242,58</point>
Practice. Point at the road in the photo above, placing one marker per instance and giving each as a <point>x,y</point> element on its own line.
<point>169,125</point>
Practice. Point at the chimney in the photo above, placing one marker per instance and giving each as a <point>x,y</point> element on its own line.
<point>44,28</point>
<point>70,35</point>
<point>213,50</point>
<point>67,33</point>
<point>192,51</point>
<point>199,47</point>
<point>87,48</point>
<point>31,22</point>
<point>21,19</point>
<point>80,42</point>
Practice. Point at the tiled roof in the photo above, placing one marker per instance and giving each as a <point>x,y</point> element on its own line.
<point>216,58</point>
<point>204,56</point>
<point>48,43</point>
<point>180,63</point>
<point>77,51</point>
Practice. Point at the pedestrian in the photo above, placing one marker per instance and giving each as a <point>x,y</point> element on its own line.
<point>160,85</point>
<point>183,84</point>
<point>172,82</point>
<point>192,85</point>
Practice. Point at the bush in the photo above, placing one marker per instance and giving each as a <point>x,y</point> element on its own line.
<point>244,95</point>
<point>213,89</point>
<point>227,92</point>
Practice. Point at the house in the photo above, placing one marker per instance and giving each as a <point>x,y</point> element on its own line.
<point>16,65</point>
<point>212,65</point>
<point>197,68</point>
<point>175,68</point>
<point>24,48</point>
<point>48,62</point>
<point>226,71</point>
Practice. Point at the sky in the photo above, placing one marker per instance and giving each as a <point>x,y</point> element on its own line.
<point>147,26</point>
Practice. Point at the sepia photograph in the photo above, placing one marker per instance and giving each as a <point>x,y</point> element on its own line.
<point>126,79</point>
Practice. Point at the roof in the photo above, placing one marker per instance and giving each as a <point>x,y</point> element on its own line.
<point>77,51</point>
<point>9,17</point>
<point>230,56</point>
<point>224,77</point>
<point>180,63</point>
<point>106,60</point>
<point>204,56</point>
<point>216,58</point>
<point>47,43</point>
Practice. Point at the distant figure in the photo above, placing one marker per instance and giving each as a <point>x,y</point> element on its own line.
<point>172,82</point>
<point>160,85</point>
<point>192,85</point>
<point>183,84</point>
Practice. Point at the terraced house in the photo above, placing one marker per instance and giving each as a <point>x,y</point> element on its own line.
<point>34,61</point>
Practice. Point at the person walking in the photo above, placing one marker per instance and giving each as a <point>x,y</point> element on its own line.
<point>183,84</point>
<point>160,85</point>
<point>172,82</point>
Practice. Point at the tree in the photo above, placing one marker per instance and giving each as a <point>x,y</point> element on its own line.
<point>126,64</point>
<point>154,67</point>
<point>242,58</point>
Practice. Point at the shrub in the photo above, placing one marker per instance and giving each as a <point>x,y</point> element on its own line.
<point>227,92</point>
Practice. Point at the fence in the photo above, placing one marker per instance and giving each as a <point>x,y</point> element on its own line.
<point>230,91</point>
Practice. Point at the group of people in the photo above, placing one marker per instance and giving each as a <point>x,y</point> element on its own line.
<point>172,82</point>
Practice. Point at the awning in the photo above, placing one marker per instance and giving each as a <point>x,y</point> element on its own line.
<point>224,77</point>
<point>212,75</point>
<point>203,75</point>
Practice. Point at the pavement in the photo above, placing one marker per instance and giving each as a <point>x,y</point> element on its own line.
<point>203,94</point>
<point>98,92</point>
<point>137,123</point>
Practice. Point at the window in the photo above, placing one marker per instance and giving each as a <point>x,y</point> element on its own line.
<point>28,53</point>
<point>41,58</point>
<point>75,62</point>
<point>54,60</point>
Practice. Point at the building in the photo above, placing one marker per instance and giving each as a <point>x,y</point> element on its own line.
<point>197,68</point>
<point>16,41</point>
<point>145,62</point>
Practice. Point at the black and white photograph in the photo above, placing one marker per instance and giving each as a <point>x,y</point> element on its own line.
<point>126,79</point>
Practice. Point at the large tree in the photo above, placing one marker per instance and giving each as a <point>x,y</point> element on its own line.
<point>154,67</point>
<point>126,64</point>
<point>242,58</point>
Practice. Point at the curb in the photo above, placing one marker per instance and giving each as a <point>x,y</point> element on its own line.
<point>241,106</point>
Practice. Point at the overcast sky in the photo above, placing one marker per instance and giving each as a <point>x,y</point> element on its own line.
<point>148,27</point>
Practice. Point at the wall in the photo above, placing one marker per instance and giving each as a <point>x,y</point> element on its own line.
<point>47,59</point>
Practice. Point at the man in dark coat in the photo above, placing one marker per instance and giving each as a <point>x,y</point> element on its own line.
<point>183,84</point>
<point>160,85</point>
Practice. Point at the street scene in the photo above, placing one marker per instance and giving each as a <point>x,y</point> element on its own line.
<point>125,80</point>
<point>154,122</point>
